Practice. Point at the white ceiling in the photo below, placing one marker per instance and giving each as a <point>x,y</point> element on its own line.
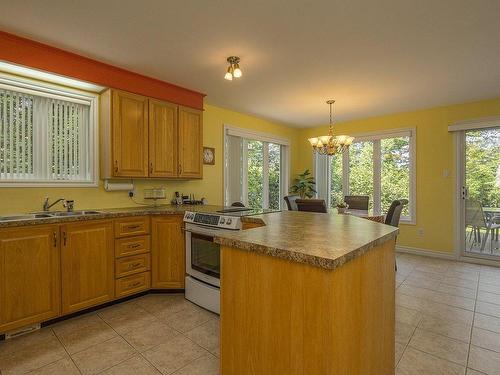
<point>373,57</point>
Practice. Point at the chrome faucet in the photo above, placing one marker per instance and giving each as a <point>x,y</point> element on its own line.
<point>47,206</point>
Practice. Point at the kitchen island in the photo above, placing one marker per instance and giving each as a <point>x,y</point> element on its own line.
<point>308,293</point>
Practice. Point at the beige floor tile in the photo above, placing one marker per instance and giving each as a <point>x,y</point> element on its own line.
<point>456,281</point>
<point>487,322</point>
<point>206,365</point>
<point>422,274</point>
<point>404,332</point>
<point>415,362</point>
<point>62,367</point>
<point>174,354</point>
<point>189,318</point>
<point>128,319</point>
<point>422,282</point>
<point>440,346</point>
<point>207,336</point>
<point>150,335</point>
<point>486,279</point>
<point>103,356</point>
<point>408,316</point>
<point>446,327</point>
<point>32,357</point>
<point>431,295</point>
<point>124,308</point>
<point>488,297</point>
<point>158,303</point>
<point>400,348</point>
<point>74,324</point>
<point>486,339</point>
<point>484,360</point>
<point>487,308</point>
<point>172,306</point>
<point>463,274</point>
<point>474,372</point>
<point>489,288</point>
<point>85,337</point>
<point>136,365</point>
<point>457,291</point>
<point>23,342</point>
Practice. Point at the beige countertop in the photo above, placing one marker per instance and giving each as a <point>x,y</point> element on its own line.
<point>322,240</point>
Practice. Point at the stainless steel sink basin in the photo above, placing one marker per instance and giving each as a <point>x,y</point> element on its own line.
<point>76,213</point>
<point>24,217</point>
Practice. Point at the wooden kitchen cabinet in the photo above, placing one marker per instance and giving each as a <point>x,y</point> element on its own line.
<point>190,143</point>
<point>142,137</point>
<point>29,276</point>
<point>162,139</point>
<point>167,252</point>
<point>87,263</point>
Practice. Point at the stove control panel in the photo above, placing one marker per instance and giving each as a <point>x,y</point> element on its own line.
<point>213,220</point>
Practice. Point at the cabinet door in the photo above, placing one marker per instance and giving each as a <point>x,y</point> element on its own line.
<point>130,135</point>
<point>162,139</point>
<point>168,252</point>
<point>87,262</point>
<point>190,143</point>
<point>29,276</point>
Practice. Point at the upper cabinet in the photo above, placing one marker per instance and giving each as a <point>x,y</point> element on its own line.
<point>190,143</point>
<point>143,137</point>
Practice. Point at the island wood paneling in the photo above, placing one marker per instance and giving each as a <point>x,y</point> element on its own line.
<point>282,317</point>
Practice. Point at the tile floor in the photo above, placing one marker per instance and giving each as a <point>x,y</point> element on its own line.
<point>447,323</point>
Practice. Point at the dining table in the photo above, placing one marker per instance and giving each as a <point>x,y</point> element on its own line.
<point>366,214</point>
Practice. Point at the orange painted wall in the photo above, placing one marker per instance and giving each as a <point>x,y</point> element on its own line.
<point>41,56</point>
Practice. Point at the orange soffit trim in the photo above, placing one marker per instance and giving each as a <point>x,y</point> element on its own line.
<point>41,56</point>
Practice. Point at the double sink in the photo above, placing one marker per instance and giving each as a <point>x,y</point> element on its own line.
<point>45,215</point>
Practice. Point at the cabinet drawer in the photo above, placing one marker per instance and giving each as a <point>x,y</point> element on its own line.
<point>133,284</point>
<point>132,246</point>
<point>132,226</point>
<point>133,264</point>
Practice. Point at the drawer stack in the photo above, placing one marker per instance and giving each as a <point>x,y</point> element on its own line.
<point>132,255</point>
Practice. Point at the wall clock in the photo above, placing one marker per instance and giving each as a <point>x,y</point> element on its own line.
<point>209,155</point>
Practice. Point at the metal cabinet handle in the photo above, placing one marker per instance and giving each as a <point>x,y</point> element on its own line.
<point>116,166</point>
<point>180,168</point>
<point>133,227</point>
<point>54,236</point>
<point>64,238</point>
<point>134,246</point>
<point>151,167</point>
<point>134,284</point>
<point>134,265</point>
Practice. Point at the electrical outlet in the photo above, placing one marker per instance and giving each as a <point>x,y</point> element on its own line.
<point>420,232</point>
<point>446,173</point>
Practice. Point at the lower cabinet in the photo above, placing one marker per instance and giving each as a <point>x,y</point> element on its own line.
<point>29,276</point>
<point>167,252</point>
<point>87,261</point>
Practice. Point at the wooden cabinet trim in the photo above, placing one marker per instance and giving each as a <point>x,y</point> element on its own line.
<point>128,285</point>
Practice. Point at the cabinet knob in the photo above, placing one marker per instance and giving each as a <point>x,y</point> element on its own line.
<point>116,166</point>
<point>54,236</point>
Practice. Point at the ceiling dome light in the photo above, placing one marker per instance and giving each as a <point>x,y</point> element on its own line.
<point>233,69</point>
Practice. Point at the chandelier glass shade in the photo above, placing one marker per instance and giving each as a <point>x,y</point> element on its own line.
<point>233,70</point>
<point>330,144</point>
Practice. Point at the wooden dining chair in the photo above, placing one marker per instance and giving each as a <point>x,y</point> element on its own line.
<point>394,214</point>
<point>357,202</point>
<point>311,205</point>
<point>290,202</point>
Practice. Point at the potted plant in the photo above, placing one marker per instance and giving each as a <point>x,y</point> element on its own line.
<point>342,207</point>
<point>304,185</point>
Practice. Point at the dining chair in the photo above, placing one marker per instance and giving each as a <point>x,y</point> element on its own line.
<point>394,214</point>
<point>237,204</point>
<point>311,205</point>
<point>357,202</point>
<point>290,202</point>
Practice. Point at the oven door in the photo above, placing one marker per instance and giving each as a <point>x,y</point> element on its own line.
<point>202,254</point>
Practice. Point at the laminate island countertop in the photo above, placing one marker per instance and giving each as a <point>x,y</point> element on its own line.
<point>322,240</point>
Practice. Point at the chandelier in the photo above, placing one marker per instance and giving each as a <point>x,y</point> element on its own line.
<point>233,70</point>
<point>330,144</point>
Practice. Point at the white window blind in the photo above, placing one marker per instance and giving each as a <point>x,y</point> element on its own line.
<point>45,137</point>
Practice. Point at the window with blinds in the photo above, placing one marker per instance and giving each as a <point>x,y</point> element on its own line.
<point>46,135</point>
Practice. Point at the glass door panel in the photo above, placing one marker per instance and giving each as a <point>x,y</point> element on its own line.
<point>255,175</point>
<point>361,169</point>
<point>482,192</point>
<point>274,176</point>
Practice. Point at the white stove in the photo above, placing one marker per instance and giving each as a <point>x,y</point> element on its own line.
<point>203,256</point>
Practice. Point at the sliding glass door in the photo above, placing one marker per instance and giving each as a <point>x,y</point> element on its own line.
<point>479,153</point>
<point>255,172</point>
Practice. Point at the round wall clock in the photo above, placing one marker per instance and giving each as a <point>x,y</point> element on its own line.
<point>208,155</point>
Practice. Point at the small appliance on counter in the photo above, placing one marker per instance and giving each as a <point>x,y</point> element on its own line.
<point>187,199</point>
<point>154,194</point>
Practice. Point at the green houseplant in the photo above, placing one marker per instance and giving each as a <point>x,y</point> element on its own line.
<point>304,185</point>
<point>342,207</point>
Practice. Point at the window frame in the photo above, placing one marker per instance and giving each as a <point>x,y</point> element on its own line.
<point>266,138</point>
<point>56,91</point>
<point>376,138</point>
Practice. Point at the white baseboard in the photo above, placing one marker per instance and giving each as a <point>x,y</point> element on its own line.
<point>424,252</point>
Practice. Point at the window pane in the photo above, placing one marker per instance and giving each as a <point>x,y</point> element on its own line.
<point>274,175</point>
<point>16,135</point>
<point>336,193</point>
<point>255,173</point>
<point>361,169</point>
<point>395,171</point>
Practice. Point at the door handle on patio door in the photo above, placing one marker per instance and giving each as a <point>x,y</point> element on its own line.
<point>465,192</point>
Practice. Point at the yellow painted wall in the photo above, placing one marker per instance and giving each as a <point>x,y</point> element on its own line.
<point>18,200</point>
<point>435,154</point>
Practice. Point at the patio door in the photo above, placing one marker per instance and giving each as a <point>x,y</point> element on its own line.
<point>478,156</point>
